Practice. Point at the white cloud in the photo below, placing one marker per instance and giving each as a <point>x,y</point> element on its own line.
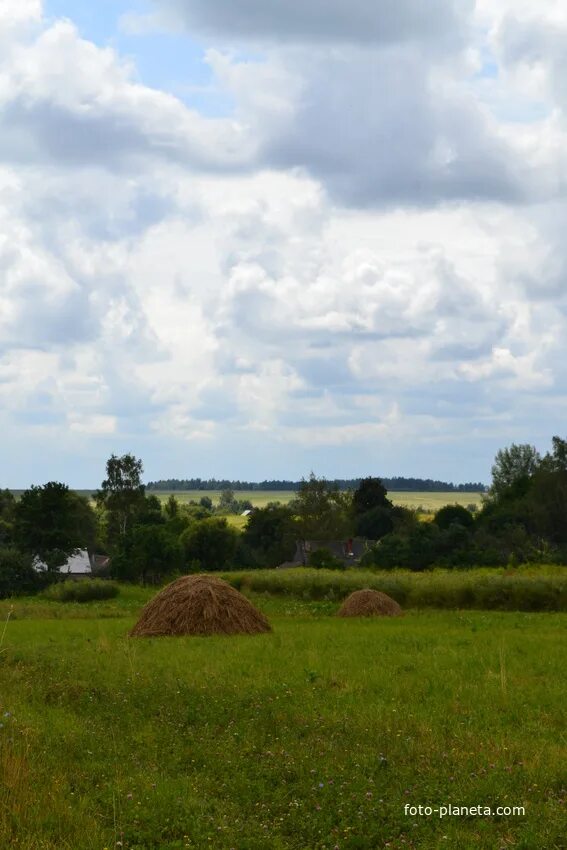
<point>413,136</point>
<point>15,14</point>
<point>345,266</point>
<point>66,101</point>
<point>92,424</point>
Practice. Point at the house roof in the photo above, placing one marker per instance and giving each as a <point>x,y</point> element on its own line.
<point>78,564</point>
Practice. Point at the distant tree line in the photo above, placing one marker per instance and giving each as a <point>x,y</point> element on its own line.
<point>392,484</point>
<point>523,518</point>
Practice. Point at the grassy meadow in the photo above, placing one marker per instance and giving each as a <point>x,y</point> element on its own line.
<point>314,737</point>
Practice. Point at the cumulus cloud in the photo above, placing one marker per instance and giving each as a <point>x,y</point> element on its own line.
<point>408,140</point>
<point>68,102</point>
<point>532,46</point>
<point>17,14</point>
<point>414,136</point>
<point>331,271</point>
<point>395,128</point>
<point>417,132</point>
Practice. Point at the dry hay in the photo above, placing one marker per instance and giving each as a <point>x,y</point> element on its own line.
<point>199,605</point>
<point>369,603</point>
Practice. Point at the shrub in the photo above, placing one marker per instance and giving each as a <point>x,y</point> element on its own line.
<point>453,514</point>
<point>323,559</point>
<point>416,549</point>
<point>17,575</point>
<point>86,590</point>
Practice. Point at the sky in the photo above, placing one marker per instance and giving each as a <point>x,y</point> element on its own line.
<point>250,239</point>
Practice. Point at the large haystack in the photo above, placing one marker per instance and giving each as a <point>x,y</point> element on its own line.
<point>199,605</point>
<point>369,603</point>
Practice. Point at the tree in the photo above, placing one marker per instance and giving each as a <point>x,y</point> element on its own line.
<point>210,544</point>
<point>227,501</point>
<point>545,505</point>
<point>121,495</point>
<point>369,494</point>
<point>375,523</point>
<point>557,460</point>
<point>323,511</point>
<point>193,511</point>
<point>151,554</point>
<point>511,465</point>
<point>53,523</point>
<point>271,532</point>
<point>7,514</point>
<point>17,574</point>
<point>171,508</point>
<point>372,510</point>
<point>149,512</point>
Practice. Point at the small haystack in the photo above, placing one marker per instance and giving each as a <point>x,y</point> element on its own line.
<point>369,603</point>
<point>199,605</point>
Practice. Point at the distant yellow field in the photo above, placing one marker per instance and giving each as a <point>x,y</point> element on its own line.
<point>434,501</point>
<point>258,498</point>
<point>426,501</point>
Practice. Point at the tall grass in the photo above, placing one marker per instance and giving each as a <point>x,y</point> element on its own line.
<point>538,589</point>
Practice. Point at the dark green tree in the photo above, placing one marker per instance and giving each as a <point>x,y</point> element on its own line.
<point>209,544</point>
<point>17,574</point>
<point>271,533</point>
<point>374,523</point>
<point>150,512</point>
<point>151,554</point>
<point>544,507</point>
<point>369,494</point>
<point>7,515</point>
<point>53,523</point>
<point>372,510</point>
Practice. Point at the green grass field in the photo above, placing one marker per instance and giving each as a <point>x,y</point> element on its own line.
<point>313,738</point>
